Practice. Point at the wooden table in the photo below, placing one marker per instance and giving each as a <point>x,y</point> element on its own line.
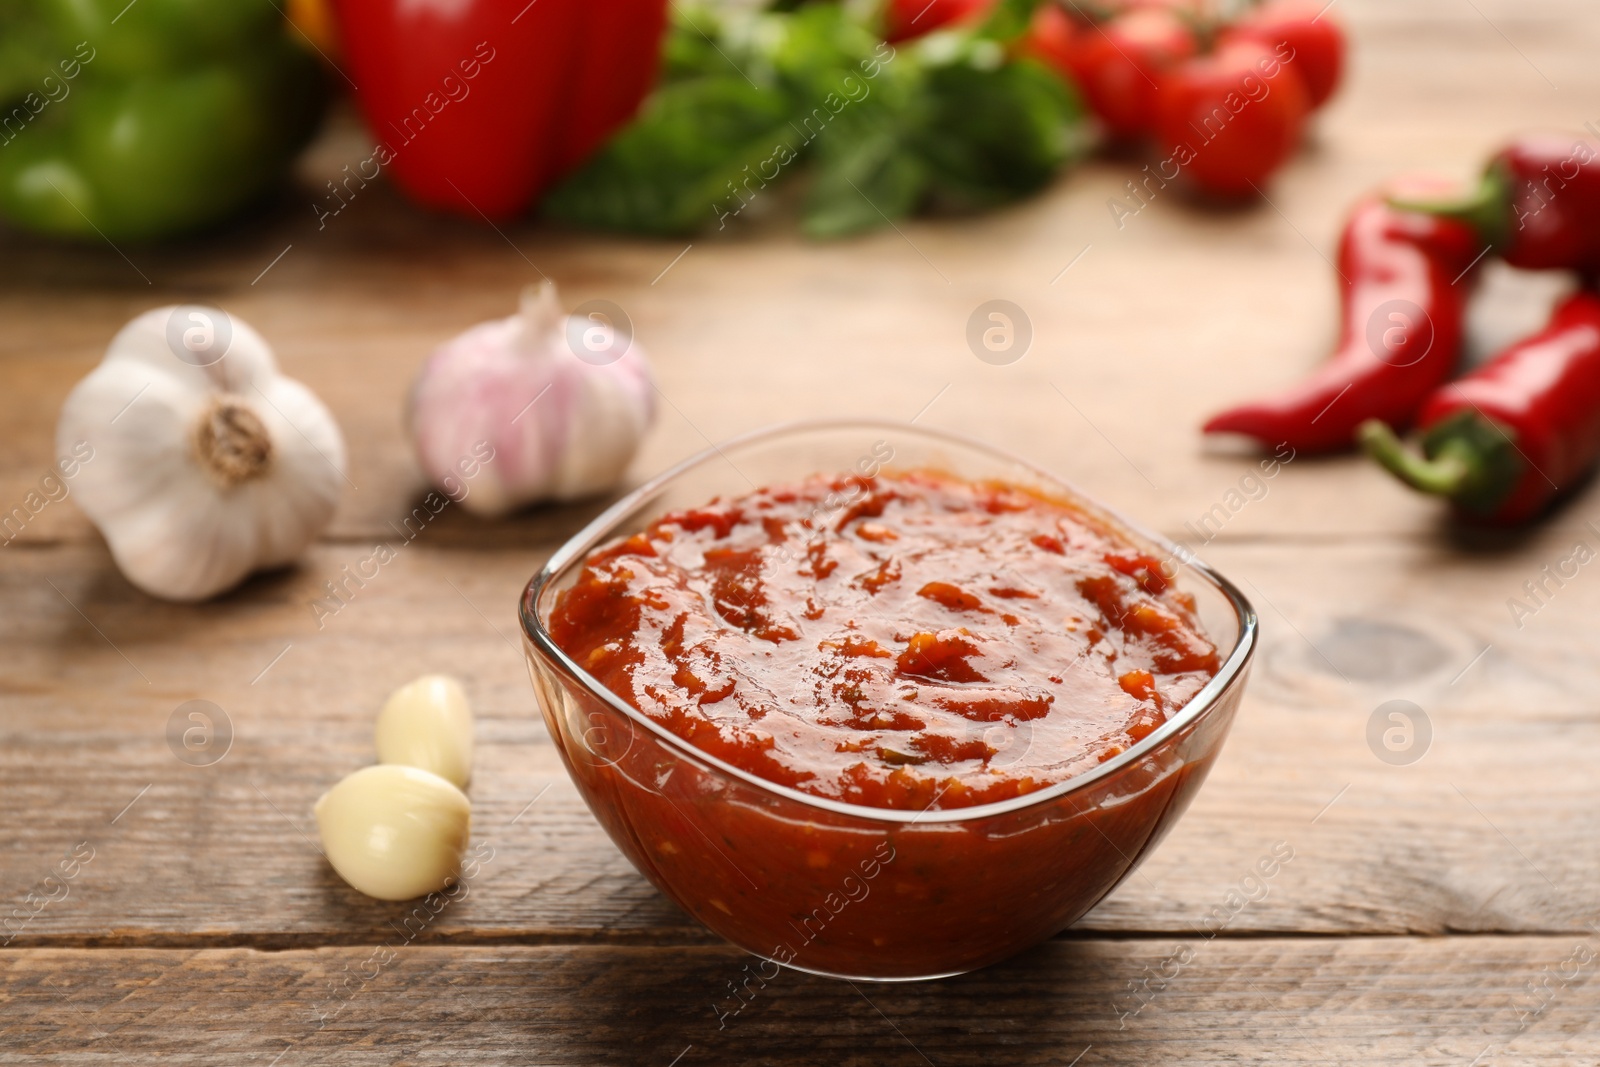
<point>1438,912</point>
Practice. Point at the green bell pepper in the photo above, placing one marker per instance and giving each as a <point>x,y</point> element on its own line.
<point>143,119</point>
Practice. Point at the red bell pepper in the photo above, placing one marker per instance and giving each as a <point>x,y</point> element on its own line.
<point>1505,440</point>
<point>479,105</point>
<point>1403,304</point>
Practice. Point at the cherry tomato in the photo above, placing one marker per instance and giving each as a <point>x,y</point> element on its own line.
<point>1317,41</point>
<point>904,19</point>
<point>1118,66</point>
<point>1230,118</point>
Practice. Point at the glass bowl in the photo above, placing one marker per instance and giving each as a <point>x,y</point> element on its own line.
<point>857,892</point>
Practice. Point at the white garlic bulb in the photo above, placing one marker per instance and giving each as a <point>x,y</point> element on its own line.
<point>395,832</point>
<point>561,404</point>
<point>427,723</point>
<point>209,463</point>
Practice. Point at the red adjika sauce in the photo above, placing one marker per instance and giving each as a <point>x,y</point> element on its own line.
<point>906,641</point>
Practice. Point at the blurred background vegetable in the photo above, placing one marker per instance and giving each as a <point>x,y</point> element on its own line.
<point>547,82</point>
<point>1230,118</point>
<point>1312,35</point>
<point>143,120</point>
<point>1225,88</point>
<point>314,19</point>
<point>911,105</point>
<point>952,121</point>
<point>157,118</point>
<point>903,19</point>
<point>1404,279</point>
<point>1537,203</point>
<point>1121,64</point>
<point>1505,440</point>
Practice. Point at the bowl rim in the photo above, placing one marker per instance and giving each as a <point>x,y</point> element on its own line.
<point>1233,667</point>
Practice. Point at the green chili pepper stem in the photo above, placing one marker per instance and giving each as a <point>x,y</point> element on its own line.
<point>1443,475</point>
<point>1487,208</point>
<point>1467,457</point>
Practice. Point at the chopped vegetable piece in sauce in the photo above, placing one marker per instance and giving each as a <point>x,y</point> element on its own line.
<point>884,652</point>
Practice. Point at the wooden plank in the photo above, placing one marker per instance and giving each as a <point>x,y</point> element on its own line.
<point>1484,1000</point>
<point>1493,829</point>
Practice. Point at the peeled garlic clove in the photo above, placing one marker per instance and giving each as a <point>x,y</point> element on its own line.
<point>539,406</point>
<point>209,463</point>
<point>427,723</point>
<point>395,832</point>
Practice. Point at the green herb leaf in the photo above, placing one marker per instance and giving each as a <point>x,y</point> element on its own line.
<point>863,185</point>
<point>953,121</point>
<point>667,172</point>
<point>993,135</point>
<point>1008,20</point>
<point>867,169</point>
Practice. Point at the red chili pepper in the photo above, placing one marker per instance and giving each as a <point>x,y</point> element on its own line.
<point>478,105</point>
<point>1538,204</point>
<point>1502,442</point>
<point>1229,118</point>
<point>1403,300</point>
<point>1119,65</point>
<point>1311,34</point>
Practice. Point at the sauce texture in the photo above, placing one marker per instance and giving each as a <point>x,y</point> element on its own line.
<point>906,641</point>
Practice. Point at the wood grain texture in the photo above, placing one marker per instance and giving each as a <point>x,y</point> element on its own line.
<point>1490,1001</point>
<point>1492,829</point>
